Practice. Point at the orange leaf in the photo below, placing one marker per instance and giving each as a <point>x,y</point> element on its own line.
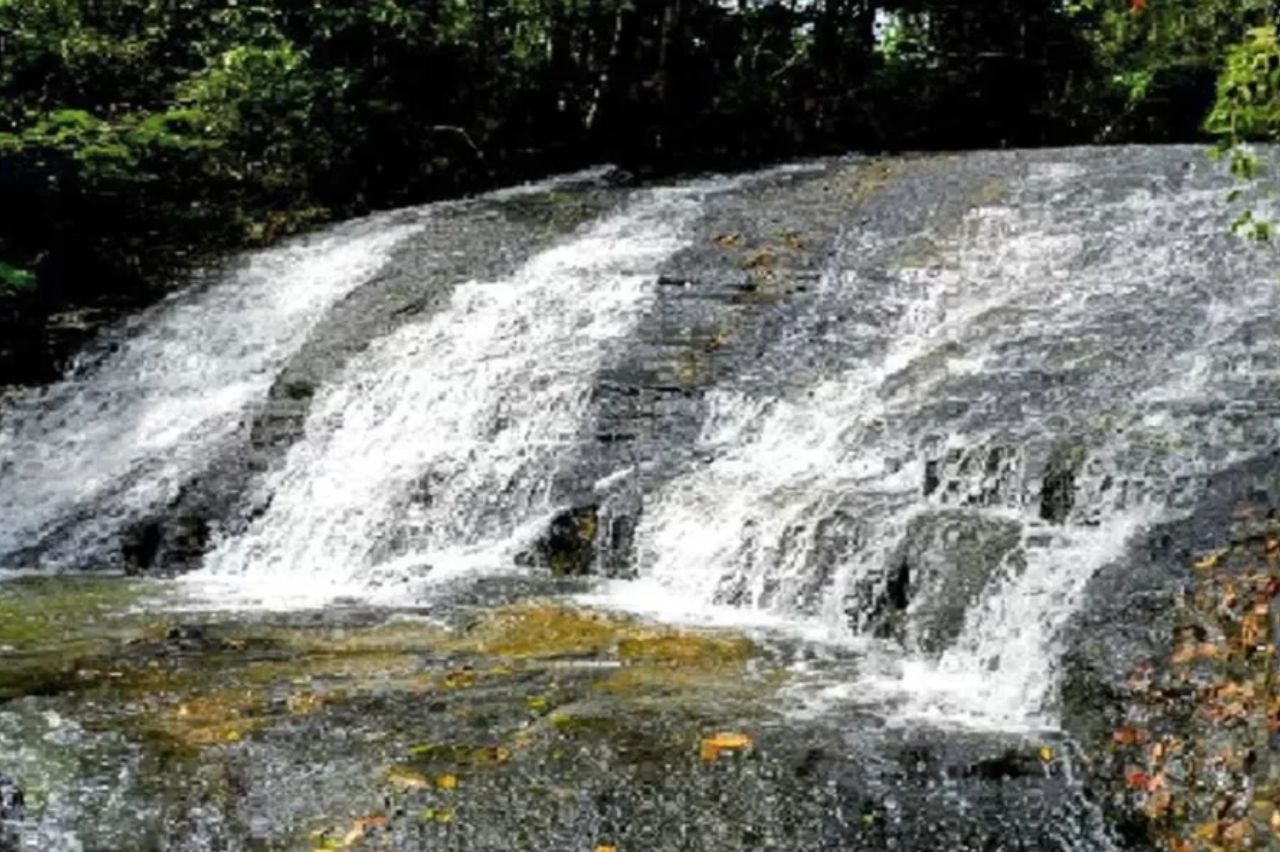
<point>1136,779</point>
<point>1128,736</point>
<point>723,741</point>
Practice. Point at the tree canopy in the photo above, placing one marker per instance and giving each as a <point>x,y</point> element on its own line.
<point>139,135</point>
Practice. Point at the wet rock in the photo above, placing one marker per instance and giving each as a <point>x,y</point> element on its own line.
<point>1058,492</point>
<point>568,548</point>
<point>140,545</point>
<point>945,562</point>
<point>168,544</point>
<point>1124,635</point>
<point>12,810</point>
<point>12,804</point>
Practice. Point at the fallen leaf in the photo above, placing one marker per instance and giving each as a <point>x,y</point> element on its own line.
<point>1205,831</point>
<point>729,240</point>
<point>606,849</point>
<point>1046,754</point>
<point>723,741</point>
<point>1129,736</point>
<point>406,779</point>
<point>360,828</point>
<point>1136,779</point>
<point>447,782</point>
<point>1209,561</point>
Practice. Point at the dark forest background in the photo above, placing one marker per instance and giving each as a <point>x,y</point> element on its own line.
<point>141,137</point>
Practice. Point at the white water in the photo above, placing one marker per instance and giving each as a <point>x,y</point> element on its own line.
<point>432,455</point>
<point>1103,322</point>
<point>105,446</point>
<point>1066,317</point>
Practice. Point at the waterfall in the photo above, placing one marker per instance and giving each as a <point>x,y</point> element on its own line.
<point>118,438</point>
<point>952,431</point>
<point>1063,341</point>
<point>432,454</point>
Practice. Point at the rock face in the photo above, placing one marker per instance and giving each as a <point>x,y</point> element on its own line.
<point>946,562</point>
<point>570,546</point>
<point>1123,644</point>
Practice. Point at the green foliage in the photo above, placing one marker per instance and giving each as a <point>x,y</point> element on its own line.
<point>139,136</point>
<point>1156,62</point>
<point>13,279</point>
<point>1247,107</point>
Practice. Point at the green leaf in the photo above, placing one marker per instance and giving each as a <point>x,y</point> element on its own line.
<point>13,279</point>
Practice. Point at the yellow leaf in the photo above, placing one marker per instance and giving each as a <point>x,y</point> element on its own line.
<point>1205,831</point>
<point>406,779</point>
<point>1046,754</point>
<point>447,782</point>
<point>606,849</point>
<point>1209,561</point>
<point>723,741</point>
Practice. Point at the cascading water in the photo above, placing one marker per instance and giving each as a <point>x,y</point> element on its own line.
<point>910,417</point>
<point>1064,343</point>
<point>956,429</point>
<point>118,438</point>
<point>432,454</point>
